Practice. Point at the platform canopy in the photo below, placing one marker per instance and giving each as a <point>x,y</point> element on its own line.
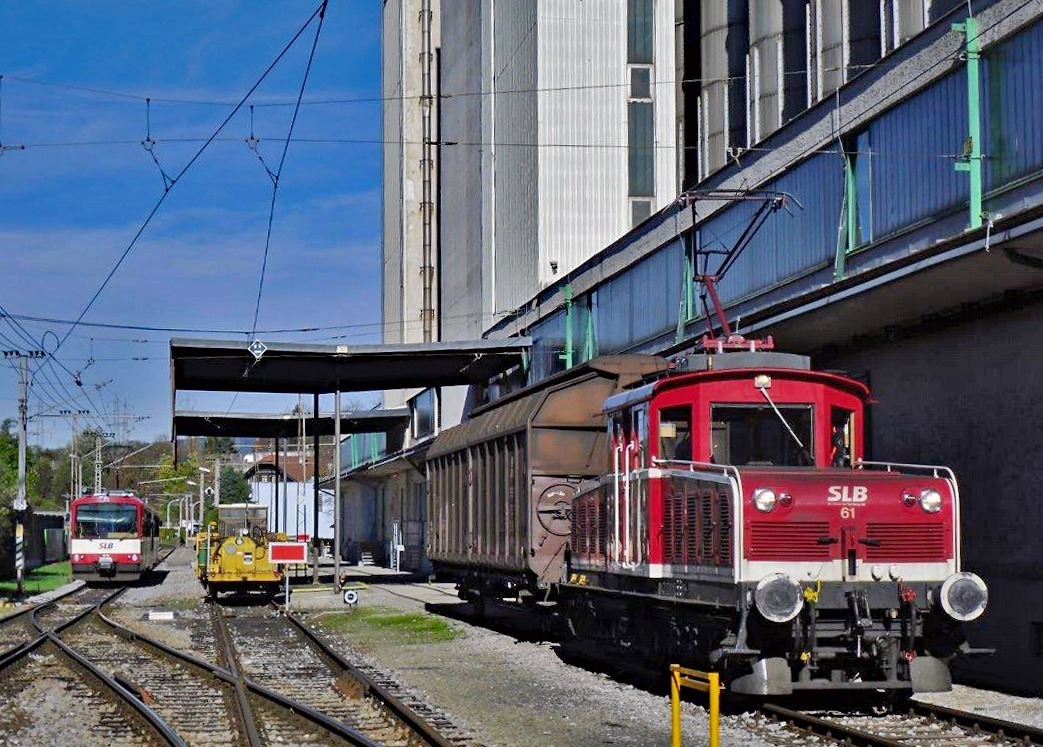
<point>263,425</point>
<point>296,368</point>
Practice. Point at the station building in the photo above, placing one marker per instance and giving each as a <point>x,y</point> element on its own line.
<point>888,152</point>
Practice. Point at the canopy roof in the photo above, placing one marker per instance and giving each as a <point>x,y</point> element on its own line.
<point>295,368</point>
<point>263,425</point>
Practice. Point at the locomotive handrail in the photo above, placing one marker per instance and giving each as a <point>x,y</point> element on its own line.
<point>947,474</point>
<point>892,466</point>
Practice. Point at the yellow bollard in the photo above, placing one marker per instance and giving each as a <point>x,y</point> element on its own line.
<point>707,682</point>
<point>715,709</point>
<point>675,707</point>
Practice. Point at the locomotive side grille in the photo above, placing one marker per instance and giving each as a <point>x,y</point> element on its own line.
<point>707,526</point>
<point>788,540</point>
<point>725,530</point>
<point>602,513</point>
<point>906,542</point>
<point>691,536</point>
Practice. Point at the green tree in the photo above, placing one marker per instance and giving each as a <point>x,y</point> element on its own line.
<point>234,487</point>
<point>217,445</point>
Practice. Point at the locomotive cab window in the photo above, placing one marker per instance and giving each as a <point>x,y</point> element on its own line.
<point>757,435</point>
<point>842,428</point>
<point>675,434</point>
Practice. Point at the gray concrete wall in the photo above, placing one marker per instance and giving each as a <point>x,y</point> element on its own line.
<point>968,396</point>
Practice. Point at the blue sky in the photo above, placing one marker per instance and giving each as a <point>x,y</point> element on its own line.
<point>72,200</point>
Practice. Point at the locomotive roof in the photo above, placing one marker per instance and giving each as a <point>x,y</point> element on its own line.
<point>705,368</point>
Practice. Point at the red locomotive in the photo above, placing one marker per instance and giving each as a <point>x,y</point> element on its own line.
<point>114,537</point>
<point>741,527</point>
<point>717,514</point>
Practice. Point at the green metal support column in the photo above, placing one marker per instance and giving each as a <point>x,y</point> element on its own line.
<point>590,339</point>
<point>567,356</point>
<point>687,305</point>
<point>971,158</point>
<point>849,233</point>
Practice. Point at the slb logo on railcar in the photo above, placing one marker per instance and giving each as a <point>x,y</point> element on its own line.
<point>848,494</point>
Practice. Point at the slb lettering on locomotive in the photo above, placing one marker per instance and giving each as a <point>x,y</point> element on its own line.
<point>848,494</point>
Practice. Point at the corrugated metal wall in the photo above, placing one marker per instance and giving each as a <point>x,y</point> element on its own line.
<point>1013,96</point>
<point>582,107</point>
<point>914,146</point>
<point>666,135</point>
<point>460,185</point>
<point>789,242</point>
<point>515,177</point>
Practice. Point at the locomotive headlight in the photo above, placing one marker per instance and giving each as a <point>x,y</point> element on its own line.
<point>931,501</point>
<point>778,598</point>
<point>764,499</point>
<point>964,596</point>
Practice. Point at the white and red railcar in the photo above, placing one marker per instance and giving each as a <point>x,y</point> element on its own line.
<point>114,536</point>
<point>740,528</point>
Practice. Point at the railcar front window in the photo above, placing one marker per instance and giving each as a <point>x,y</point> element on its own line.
<point>106,521</point>
<point>754,435</point>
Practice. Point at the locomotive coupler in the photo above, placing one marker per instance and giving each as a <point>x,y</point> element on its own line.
<point>860,617</point>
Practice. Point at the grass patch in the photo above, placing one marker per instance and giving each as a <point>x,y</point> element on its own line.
<point>366,626</point>
<point>45,578</point>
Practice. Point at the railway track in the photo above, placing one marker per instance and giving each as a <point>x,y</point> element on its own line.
<point>284,655</point>
<point>197,705</point>
<point>919,724</point>
<point>43,678</point>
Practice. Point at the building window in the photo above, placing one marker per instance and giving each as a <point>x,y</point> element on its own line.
<point>423,407</point>
<point>640,83</point>
<point>641,150</point>
<point>640,114</point>
<point>640,31</point>
<point>640,210</point>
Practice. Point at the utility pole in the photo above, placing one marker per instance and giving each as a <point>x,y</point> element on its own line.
<point>97,463</point>
<point>217,482</point>
<point>20,503</point>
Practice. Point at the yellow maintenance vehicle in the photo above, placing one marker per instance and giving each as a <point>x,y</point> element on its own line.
<point>232,554</point>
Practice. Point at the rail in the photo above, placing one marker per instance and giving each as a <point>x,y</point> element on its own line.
<point>972,724</point>
<point>429,732</point>
<point>50,634</point>
<point>244,683</point>
<point>707,682</point>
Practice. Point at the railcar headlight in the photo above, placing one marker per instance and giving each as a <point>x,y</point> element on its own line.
<point>964,596</point>
<point>931,501</point>
<point>764,499</point>
<point>778,598</point>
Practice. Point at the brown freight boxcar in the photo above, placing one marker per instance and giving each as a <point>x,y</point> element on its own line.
<point>500,486</point>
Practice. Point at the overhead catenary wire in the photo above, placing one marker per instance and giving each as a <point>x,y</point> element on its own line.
<point>182,172</point>
<point>282,161</point>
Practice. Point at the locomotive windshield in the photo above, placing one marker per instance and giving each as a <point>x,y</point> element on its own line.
<point>235,518</point>
<point>106,521</point>
<point>755,435</point>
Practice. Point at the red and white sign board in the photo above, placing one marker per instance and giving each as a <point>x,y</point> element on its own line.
<point>288,552</point>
